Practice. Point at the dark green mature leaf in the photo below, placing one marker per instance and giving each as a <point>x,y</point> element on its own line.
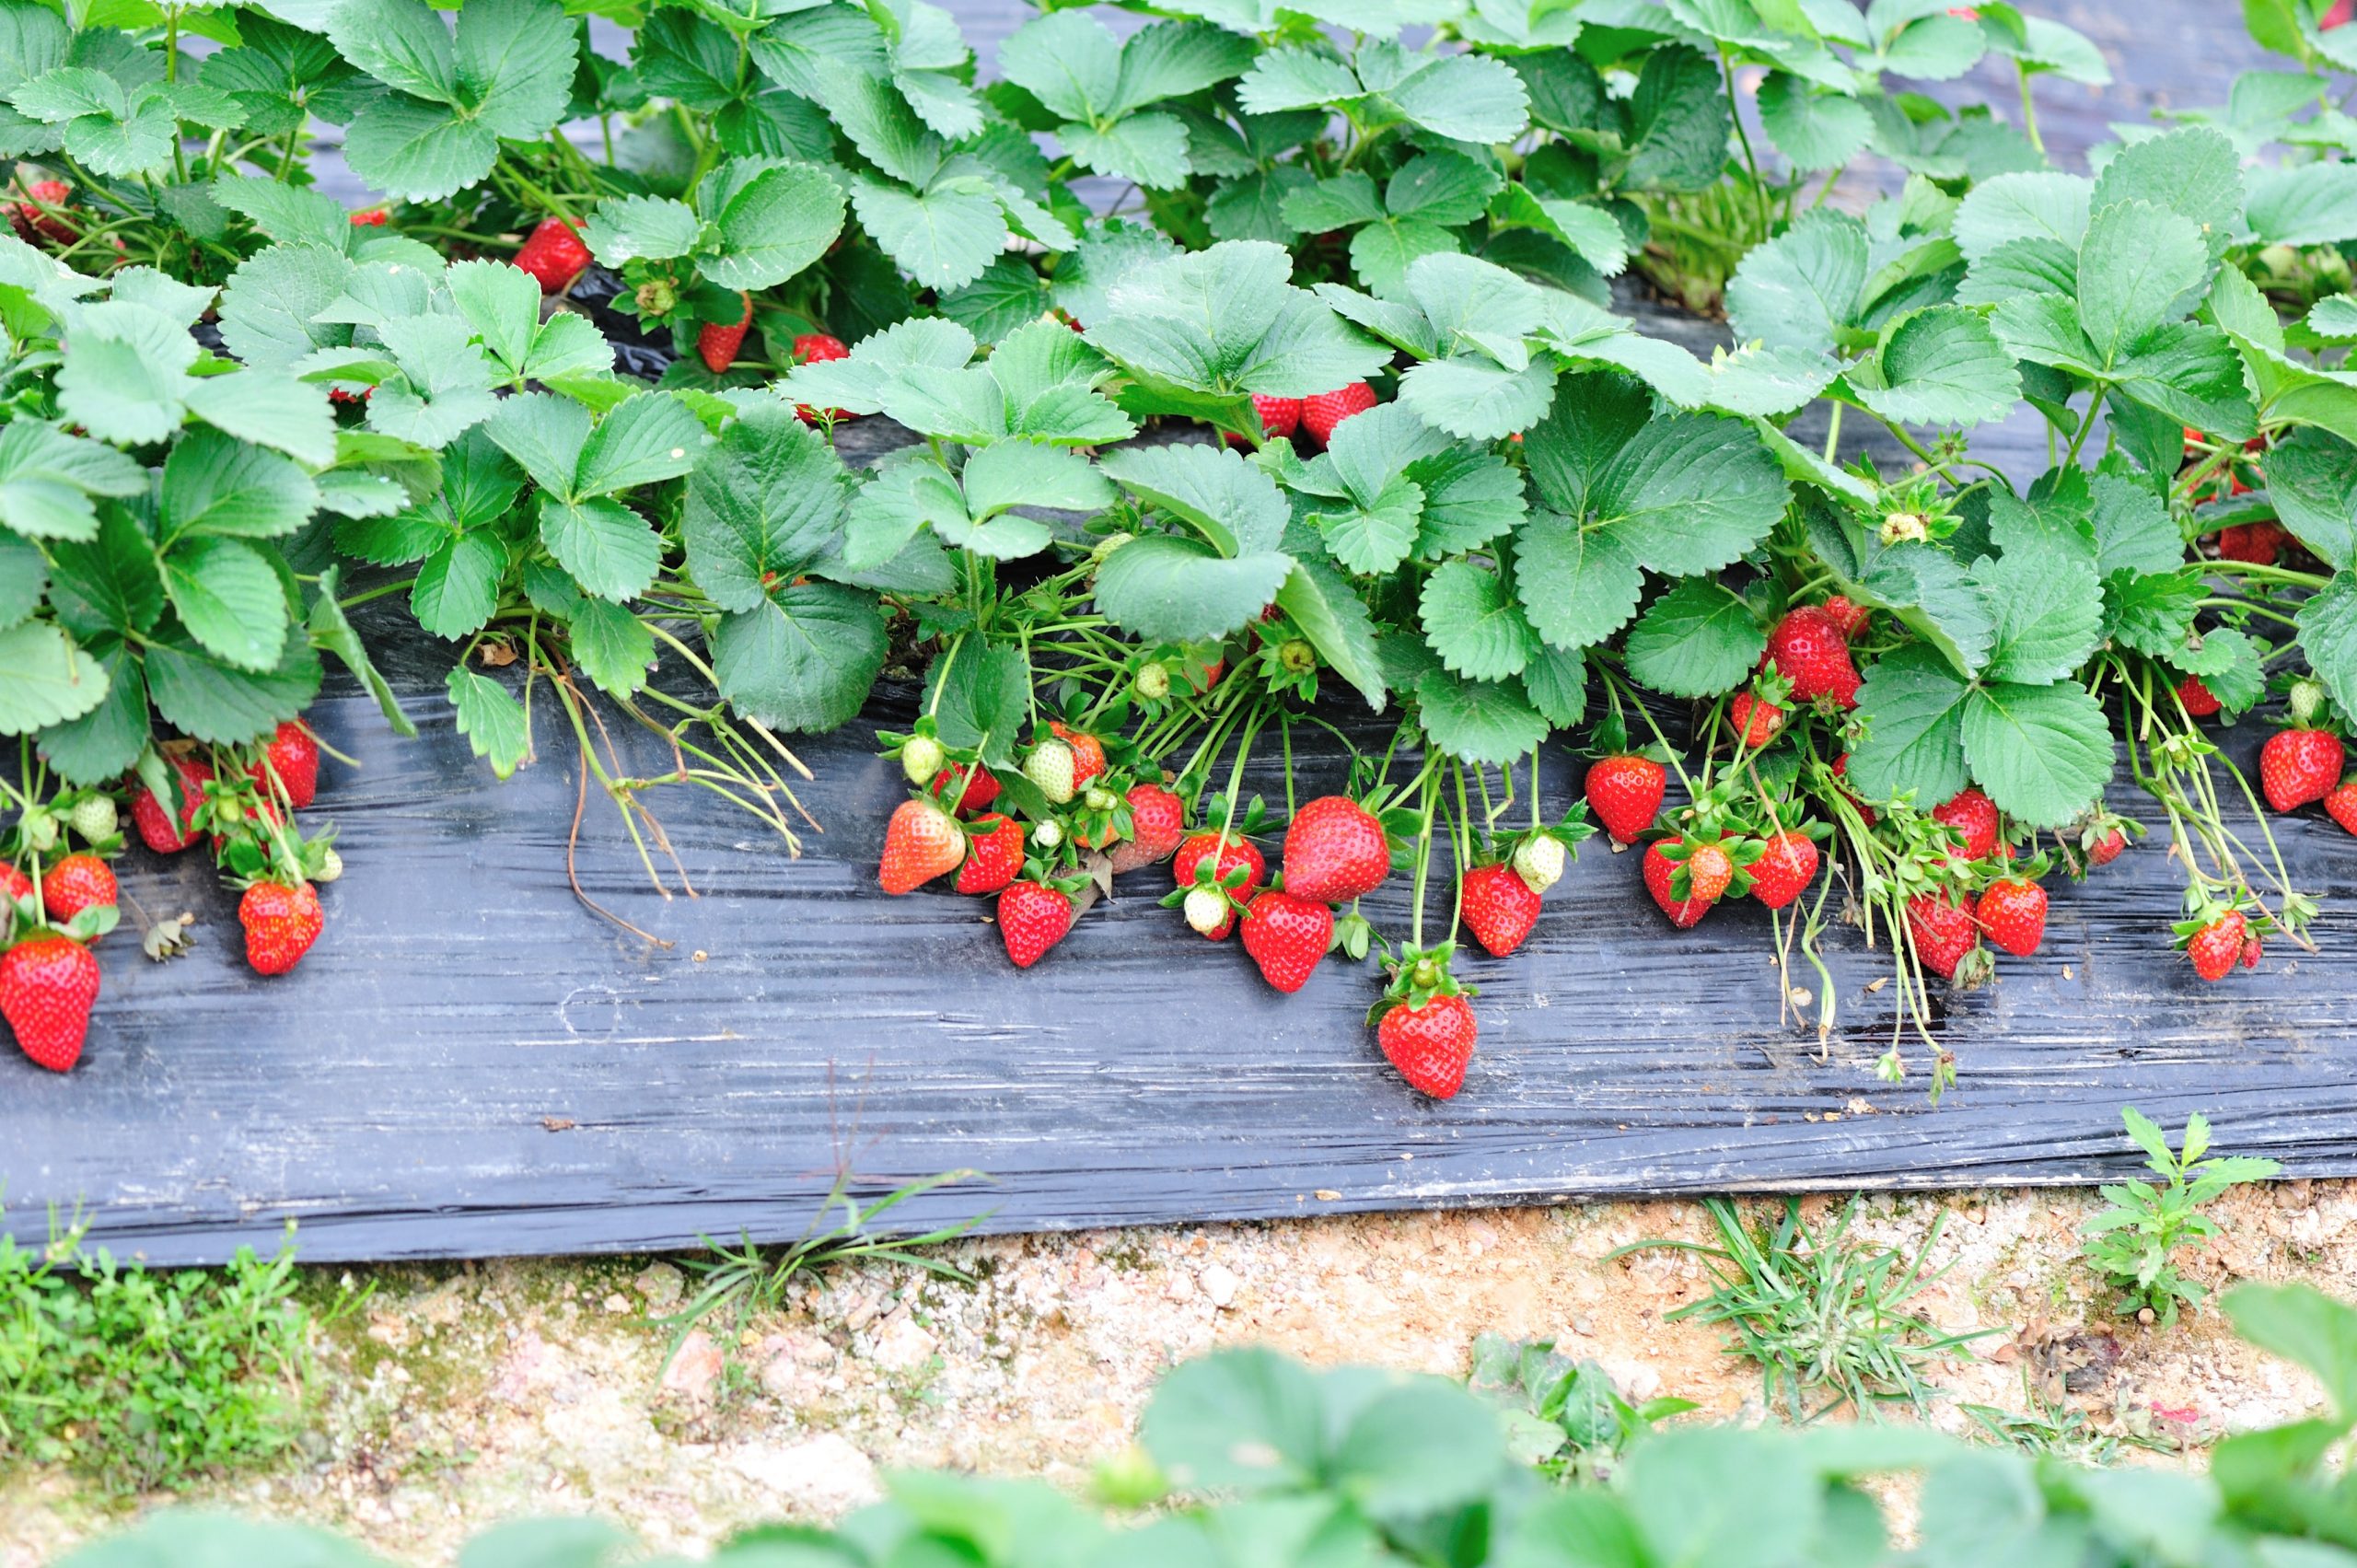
<point>228,596</point>
<point>2328,624</point>
<point>494,721</point>
<point>1941,366</point>
<point>45,679</point>
<point>1691,492</point>
<point>1164,588</point>
<point>1913,704</point>
<point>201,696</point>
<point>1698,640</point>
<point>1227,320</point>
<point>1677,124</point>
<point>2043,753</point>
<point>1478,721</point>
<point>2312,480</point>
<point>1471,621</point>
<point>101,744</point>
<point>506,72</point>
<point>804,659</point>
<point>1320,601</point>
<point>773,218</point>
<point>1796,290</point>
<point>762,504</point>
<point>1577,587</point>
<point>2136,264</point>
<point>2049,613</point>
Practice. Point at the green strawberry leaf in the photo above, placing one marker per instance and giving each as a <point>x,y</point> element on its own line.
<point>1697,640</point>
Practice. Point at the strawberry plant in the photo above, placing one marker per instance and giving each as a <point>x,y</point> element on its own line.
<point>1331,408</point>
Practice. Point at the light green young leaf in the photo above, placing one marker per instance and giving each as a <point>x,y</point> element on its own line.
<point>228,597</point>
<point>490,718</point>
<point>45,679</point>
<point>1940,366</point>
<point>2136,266</point>
<point>2042,752</point>
<point>1478,721</point>
<point>1471,621</point>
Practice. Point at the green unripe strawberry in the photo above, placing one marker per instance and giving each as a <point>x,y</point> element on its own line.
<point>331,866</point>
<point>1053,767</point>
<point>921,757</point>
<point>1153,682</point>
<point>2304,702</point>
<point>1540,862</point>
<point>1047,835</point>
<point>93,818</point>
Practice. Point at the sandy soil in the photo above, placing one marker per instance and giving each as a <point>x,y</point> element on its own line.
<point>460,1397</point>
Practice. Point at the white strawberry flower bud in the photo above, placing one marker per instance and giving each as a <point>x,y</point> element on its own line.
<point>1047,835</point>
<point>1206,909</point>
<point>1051,766</point>
<point>921,757</point>
<point>1540,862</point>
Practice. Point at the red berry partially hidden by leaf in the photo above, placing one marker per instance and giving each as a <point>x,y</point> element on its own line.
<point>922,842</point>
<point>1286,937</point>
<point>369,217</point>
<point>1238,852</point>
<point>32,224</point>
<point>1430,1045</point>
<point>2256,543</point>
<point>48,985</point>
<point>1625,792</point>
<point>2013,911</point>
<point>1757,721</point>
<point>1848,618</point>
<point>14,885</point>
<point>1335,850</point>
<point>1088,754</point>
<point>982,787</point>
<point>1322,412</point>
<point>293,755</point>
<point>816,348</point>
<point>1660,870</point>
<point>155,825</point>
<point>1278,416</point>
<point>1157,822</point>
<point>1500,908</point>
<point>1784,869</point>
<point>280,924</point>
<point>555,255</point>
<point>2297,766</point>
<point>76,883</point>
<point>2199,699</point>
<point>717,342</point>
<point>1974,817</point>
<point>2217,948</point>
<point>993,859</point>
<point>1032,918</point>
<point>1943,931</point>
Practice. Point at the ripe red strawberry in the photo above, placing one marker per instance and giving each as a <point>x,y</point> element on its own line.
<point>2253,950</point>
<point>1659,869</point>
<point>1974,817</point>
<point>2108,848</point>
<point>980,790</point>
<point>1286,937</point>
<point>294,754</point>
<point>47,984</point>
<point>76,883</point>
<point>553,254</point>
<point>1784,869</point>
<point>1335,850</point>
<point>33,225</point>
<point>1709,871</point>
<point>2297,766</point>
<point>1088,754</point>
<point>2013,911</point>
<point>1278,416</point>
<point>155,825</point>
<point>14,885</point>
<point>2256,543</point>
<point>1430,1045</point>
<point>280,924</point>
<point>717,342</point>
<point>1625,794</point>
<point>1848,618</point>
<point>1808,649</point>
<point>922,842</point>
<point>1321,412</point>
<point>1238,852</point>
<point>812,348</point>
<point>1943,932</point>
<point>2217,948</point>
<point>369,217</point>
<point>993,859</point>
<point>1500,908</point>
<point>2341,804</point>
<point>1158,821</point>
<point>1757,721</point>
<point>2199,699</point>
<point>1032,918</point>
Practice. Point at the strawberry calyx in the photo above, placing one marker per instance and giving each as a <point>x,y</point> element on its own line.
<point>1418,974</point>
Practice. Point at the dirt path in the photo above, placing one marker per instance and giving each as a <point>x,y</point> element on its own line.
<point>460,1397</point>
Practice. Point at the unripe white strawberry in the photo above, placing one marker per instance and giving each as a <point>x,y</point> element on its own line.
<point>1053,767</point>
<point>331,866</point>
<point>1539,861</point>
<point>921,757</point>
<point>1047,835</point>
<point>2304,702</point>
<point>93,818</point>
<point>1101,799</point>
<point>1153,682</point>
<point>1207,910</point>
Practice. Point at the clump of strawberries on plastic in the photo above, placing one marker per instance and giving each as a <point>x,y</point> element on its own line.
<point>57,901</point>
